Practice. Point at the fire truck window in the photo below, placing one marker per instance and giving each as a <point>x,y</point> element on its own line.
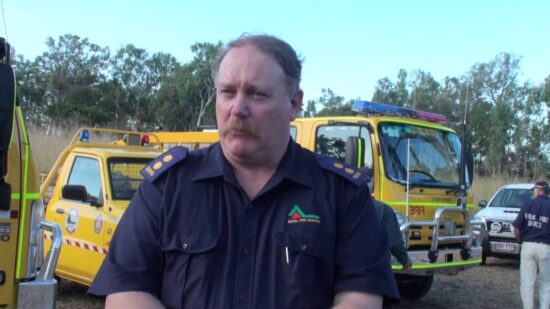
<point>125,176</point>
<point>331,141</point>
<point>85,172</point>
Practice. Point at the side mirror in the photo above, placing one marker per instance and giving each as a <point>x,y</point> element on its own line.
<point>482,203</point>
<point>355,151</point>
<point>74,192</point>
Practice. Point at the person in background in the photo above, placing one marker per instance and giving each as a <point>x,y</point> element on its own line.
<point>254,221</point>
<point>532,229</point>
<point>391,225</point>
<point>395,237</point>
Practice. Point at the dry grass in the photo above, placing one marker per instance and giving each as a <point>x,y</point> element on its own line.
<point>46,148</point>
<point>484,187</point>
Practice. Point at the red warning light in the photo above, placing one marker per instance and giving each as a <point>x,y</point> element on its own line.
<point>145,140</point>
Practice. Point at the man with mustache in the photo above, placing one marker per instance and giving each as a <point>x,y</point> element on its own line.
<point>254,221</point>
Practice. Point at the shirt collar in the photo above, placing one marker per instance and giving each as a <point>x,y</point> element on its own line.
<point>213,165</point>
<point>296,165</point>
<point>293,165</point>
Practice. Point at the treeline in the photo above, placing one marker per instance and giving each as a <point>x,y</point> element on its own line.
<point>75,82</point>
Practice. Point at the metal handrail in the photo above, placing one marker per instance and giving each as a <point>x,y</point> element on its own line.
<point>47,270</point>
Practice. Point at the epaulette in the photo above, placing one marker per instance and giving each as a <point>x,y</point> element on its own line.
<point>345,170</point>
<point>163,162</point>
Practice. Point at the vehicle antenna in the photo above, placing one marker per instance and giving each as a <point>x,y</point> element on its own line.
<point>461,193</point>
<point>4,17</point>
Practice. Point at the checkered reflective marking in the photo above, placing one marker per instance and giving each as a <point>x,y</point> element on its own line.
<point>78,244</point>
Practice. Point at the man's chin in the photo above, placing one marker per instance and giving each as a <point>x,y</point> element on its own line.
<point>236,147</point>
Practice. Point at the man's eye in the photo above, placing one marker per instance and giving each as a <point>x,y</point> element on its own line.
<point>259,95</point>
<point>227,92</point>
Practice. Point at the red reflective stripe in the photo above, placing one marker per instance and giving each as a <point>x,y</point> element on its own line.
<point>82,245</point>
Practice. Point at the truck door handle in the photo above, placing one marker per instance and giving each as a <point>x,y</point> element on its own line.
<point>60,210</point>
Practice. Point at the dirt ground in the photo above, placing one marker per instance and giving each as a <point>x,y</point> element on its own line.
<point>494,285</point>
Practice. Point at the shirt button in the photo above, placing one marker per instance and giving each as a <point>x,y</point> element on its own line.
<point>241,297</point>
<point>303,247</point>
<point>184,246</point>
<point>245,251</point>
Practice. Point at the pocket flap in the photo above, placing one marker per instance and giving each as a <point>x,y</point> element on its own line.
<point>189,242</point>
<point>318,245</point>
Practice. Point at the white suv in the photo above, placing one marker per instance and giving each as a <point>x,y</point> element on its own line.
<point>498,214</point>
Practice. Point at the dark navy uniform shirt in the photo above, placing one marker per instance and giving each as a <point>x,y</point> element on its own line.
<point>193,238</point>
<point>533,220</point>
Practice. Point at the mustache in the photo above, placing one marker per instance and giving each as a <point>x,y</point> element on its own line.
<point>240,126</point>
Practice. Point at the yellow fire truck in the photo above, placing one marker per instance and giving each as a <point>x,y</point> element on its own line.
<point>87,191</point>
<point>26,278</point>
<point>418,167</point>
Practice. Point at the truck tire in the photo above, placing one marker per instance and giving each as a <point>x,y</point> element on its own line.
<point>414,287</point>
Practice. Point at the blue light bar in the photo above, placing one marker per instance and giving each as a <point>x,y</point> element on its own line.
<point>84,136</point>
<point>366,107</point>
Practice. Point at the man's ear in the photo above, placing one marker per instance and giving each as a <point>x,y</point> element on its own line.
<point>296,104</point>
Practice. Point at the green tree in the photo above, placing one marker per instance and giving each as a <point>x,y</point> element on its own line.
<point>311,109</point>
<point>31,88</point>
<point>333,105</point>
<point>495,83</point>
<point>392,93</point>
<point>70,72</point>
<point>129,69</point>
<point>187,97</point>
<point>425,93</point>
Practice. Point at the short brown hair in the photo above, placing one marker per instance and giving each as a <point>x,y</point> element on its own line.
<point>280,50</point>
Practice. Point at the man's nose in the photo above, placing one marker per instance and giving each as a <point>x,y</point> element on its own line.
<point>240,106</point>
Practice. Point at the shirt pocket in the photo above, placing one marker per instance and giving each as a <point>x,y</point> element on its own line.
<point>308,268</point>
<point>179,250</point>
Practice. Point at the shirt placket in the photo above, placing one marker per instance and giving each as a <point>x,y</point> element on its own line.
<point>245,260</point>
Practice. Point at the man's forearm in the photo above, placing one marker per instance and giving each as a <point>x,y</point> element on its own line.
<point>132,300</point>
<point>517,233</point>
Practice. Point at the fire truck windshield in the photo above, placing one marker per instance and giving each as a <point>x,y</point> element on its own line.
<point>433,154</point>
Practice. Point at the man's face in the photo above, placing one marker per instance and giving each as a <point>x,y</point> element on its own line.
<point>253,107</point>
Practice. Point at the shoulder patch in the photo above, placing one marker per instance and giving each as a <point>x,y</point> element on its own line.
<point>163,162</point>
<point>347,171</point>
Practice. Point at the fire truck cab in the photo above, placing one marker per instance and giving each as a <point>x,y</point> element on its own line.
<point>26,277</point>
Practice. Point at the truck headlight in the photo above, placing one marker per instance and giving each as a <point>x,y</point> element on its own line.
<point>496,227</point>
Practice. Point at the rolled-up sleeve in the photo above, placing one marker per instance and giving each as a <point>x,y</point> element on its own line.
<point>362,256</point>
<point>134,260</point>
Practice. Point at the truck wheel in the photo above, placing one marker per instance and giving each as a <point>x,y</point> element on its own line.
<point>414,287</point>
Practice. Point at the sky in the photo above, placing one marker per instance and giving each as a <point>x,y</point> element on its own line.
<point>347,46</point>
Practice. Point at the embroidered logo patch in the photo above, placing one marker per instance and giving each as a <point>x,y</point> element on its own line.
<point>297,215</point>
